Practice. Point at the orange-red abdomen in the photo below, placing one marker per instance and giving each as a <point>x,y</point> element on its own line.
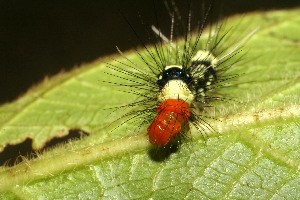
<point>172,114</point>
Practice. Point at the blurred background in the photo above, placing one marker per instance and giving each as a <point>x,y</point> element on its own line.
<point>38,39</point>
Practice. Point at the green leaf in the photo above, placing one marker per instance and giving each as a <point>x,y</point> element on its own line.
<point>256,153</point>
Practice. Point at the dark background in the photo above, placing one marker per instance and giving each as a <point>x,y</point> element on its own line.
<point>41,38</point>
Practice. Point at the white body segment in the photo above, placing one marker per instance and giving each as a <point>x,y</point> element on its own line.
<point>176,89</point>
<point>171,66</point>
<point>205,56</point>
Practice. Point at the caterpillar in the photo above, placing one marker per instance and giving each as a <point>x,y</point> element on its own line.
<point>175,81</point>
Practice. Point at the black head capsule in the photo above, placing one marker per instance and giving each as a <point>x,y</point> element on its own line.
<point>173,72</point>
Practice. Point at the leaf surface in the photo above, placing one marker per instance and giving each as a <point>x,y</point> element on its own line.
<point>256,153</point>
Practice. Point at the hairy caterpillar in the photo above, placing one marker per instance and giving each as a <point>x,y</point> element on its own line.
<point>175,81</point>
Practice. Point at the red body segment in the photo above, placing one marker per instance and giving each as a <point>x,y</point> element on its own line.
<point>172,114</point>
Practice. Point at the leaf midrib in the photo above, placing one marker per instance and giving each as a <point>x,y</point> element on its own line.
<point>73,158</point>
